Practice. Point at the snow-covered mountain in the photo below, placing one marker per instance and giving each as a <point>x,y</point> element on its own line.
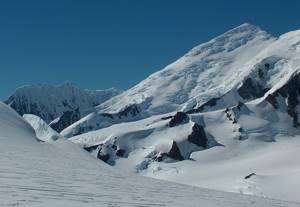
<point>59,105</point>
<point>59,173</point>
<point>224,116</point>
<point>239,65</point>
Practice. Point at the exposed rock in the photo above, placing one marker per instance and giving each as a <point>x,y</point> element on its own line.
<point>107,115</point>
<point>120,152</point>
<point>198,136</point>
<point>174,153</point>
<point>68,118</point>
<point>249,176</point>
<point>129,111</point>
<point>103,157</point>
<point>251,89</point>
<point>291,92</point>
<point>166,117</point>
<point>178,118</point>
<point>209,103</point>
<point>91,148</point>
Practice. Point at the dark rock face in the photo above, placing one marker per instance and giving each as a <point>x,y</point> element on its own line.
<point>91,148</point>
<point>178,118</point>
<point>251,89</point>
<point>129,111</point>
<point>198,136</point>
<point>291,92</point>
<point>210,103</point>
<point>166,117</point>
<point>107,115</point>
<point>103,157</point>
<point>249,176</point>
<point>174,153</point>
<point>120,152</point>
<point>68,118</point>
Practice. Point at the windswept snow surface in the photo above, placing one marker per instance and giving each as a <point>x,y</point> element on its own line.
<point>61,174</point>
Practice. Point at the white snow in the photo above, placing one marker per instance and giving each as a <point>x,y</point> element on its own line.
<point>61,174</point>
<point>43,131</point>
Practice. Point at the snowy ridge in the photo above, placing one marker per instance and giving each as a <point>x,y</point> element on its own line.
<point>51,102</point>
<point>43,131</point>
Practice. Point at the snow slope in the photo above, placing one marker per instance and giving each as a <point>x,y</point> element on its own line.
<point>61,174</point>
<point>43,131</point>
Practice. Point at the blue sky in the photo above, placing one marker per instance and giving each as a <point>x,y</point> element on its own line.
<point>117,43</point>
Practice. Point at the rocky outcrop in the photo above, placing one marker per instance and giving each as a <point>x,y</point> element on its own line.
<point>290,91</point>
<point>129,111</point>
<point>174,154</point>
<point>249,176</point>
<point>210,103</point>
<point>68,118</point>
<point>198,136</point>
<point>178,118</point>
<point>250,89</point>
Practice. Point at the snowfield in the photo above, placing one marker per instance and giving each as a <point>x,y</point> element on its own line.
<point>260,140</point>
<point>61,174</point>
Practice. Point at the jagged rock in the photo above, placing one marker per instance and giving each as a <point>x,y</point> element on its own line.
<point>120,152</point>
<point>251,89</point>
<point>198,136</point>
<point>131,110</point>
<point>103,157</point>
<point>174,153</point>
<point>178,118</point>
<point>68,118</point>
<point>290,91</point>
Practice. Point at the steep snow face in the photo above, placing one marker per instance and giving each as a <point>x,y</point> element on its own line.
<point>61,174</point>
<point>203,73</point>
<point>50,102</point>
<point>43,131</point>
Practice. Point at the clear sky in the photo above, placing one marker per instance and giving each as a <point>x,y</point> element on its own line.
<point>117,43</point>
